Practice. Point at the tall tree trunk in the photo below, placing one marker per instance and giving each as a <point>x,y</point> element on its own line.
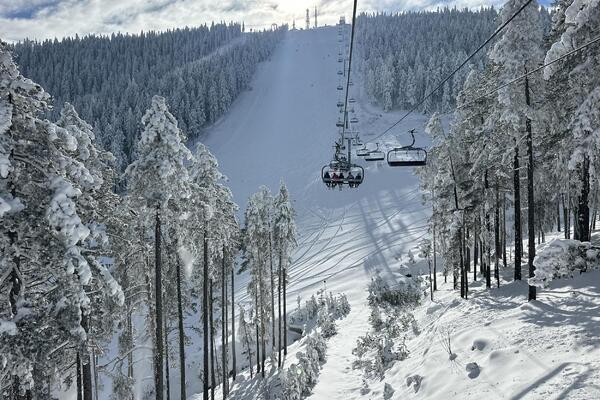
<point>279,307</point>
<point>181,331</point>
<point>86,365</point>
<point>223,325</point>
<point>497,235</point>
<point>433,239</point>
<point>504,261</point>
<point>530,199</point>
<point>167,371</point>
<point>213,381</point>
<point>582,209</point>
<point>257,348</point>
<point>96,377</point>
<point>158,356</point>
<point>257,320</point>
<point>517,207</point>
<point>475,247</point>
<point>17,394</point>
<point>233,355</point>
<point>558,213</point>
<point>272,292</point>
<point>284,310</point>
<point>205,331</point>
<point>488,281</point>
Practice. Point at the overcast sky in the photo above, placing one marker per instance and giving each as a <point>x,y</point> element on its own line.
<point>40,19</point>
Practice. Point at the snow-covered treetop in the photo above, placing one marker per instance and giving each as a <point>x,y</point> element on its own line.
<point>159,174</point>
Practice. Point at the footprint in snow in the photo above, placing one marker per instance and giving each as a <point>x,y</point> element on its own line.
<point>473,370</point>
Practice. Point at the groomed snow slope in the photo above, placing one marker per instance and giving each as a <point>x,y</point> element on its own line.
<point>284,128</point>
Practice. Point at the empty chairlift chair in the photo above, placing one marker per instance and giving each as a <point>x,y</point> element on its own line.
<point>353,120</point>
<point>407,156</point>
<point>375,155</point>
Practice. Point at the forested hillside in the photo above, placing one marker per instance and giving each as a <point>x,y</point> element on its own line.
<point>110,80</point>
<point>404,56</point>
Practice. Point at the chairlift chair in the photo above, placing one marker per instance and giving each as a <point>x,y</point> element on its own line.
<point>353,120</point>
<point>340,87</point>
<point>340,72</point>
<point>407,156</point>
<point>362,152</point>
<point>352,100</point>
<point>340,173</point>
<point>340,123</point>
<point>375,155</point>
<point>340,103</point>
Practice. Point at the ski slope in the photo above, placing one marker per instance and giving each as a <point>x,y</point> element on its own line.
<point>284,128</point>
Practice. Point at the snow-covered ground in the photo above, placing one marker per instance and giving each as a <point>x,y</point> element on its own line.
<point>285,128</point>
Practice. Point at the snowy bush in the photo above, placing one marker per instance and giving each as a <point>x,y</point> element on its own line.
<point>326,322</point>
<point>560,258</point>
<point>300,378</point>
<point>375,354</point>
<point>404,295</point>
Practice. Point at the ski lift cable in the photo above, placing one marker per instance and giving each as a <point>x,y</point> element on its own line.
<point>473,54</point>
<point>349,69</point>
<point>533,71</point>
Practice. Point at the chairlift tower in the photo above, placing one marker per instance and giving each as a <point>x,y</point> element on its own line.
<point>316,16</point>
<point>307,19</point>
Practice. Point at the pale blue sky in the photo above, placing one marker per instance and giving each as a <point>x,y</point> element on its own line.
<point>40,19</point>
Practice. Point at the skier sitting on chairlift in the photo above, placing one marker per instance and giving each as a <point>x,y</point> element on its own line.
<point>350,179</point>
<point>334,179</point>
<point>327,179</point>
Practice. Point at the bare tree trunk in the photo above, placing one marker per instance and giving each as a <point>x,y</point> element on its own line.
<point>582,208</point>
<point>213,381</point>
<point>79,381</point>
<point>181,331</point>
<point>497,235</point>
<point>272,292</point>
<point>167,371</point>
<point>257,320</point>
<point>530,199</point>
<point>233,355</point>
<point>158,356</point>
<point>205,331</point>
<point>284,311</point>
<point>558,213</point>
<point>434,242</point>
<point>224,325</point>
<point>86,365</point>
<point>475,247</point>
<point>279,306</point>
<point>488,278</point>
<point>517,207</point>
<point>504,261</point>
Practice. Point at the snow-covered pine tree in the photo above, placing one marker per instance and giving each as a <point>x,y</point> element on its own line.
<point>284,235</point>
<point>256,253</point>
<point>97,202</point>
<point>45,266</point>
<point>158,182</point>
<point>574,102</point>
